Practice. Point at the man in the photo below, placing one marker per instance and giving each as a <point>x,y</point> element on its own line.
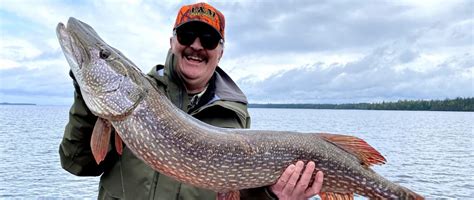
<point>193,81</point>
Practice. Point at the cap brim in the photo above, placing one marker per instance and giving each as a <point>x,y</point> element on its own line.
<point>198,21</point>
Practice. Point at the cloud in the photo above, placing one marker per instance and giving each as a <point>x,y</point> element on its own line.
<point>33,68</point>
<point>311,51</point>
<point>376,77</point>
<point>18,49</point>
<point>47,77</point>
<point>266,27</point>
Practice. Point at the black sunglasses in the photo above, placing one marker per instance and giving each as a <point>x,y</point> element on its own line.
<point>187,35</point>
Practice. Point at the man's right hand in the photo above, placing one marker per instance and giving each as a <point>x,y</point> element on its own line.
<point>290,186</point>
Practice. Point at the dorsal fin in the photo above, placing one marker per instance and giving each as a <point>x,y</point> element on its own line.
<point>336,196</point>
<point>357,147</point>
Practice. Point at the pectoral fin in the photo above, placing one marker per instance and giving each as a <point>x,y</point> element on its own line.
<point>100,139</point>
<point>232,195</point>
<point>118,143</point>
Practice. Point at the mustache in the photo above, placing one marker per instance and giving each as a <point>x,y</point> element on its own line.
<point>188,51</point>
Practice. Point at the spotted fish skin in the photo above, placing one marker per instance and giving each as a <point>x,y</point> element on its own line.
<point>219,159</point>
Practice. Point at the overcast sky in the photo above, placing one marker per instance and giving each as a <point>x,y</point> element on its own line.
<point>310,51</point>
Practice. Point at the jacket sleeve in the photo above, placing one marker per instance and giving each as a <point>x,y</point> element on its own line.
<point>75,151</point>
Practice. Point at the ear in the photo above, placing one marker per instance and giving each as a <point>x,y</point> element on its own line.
<point>222,53</point>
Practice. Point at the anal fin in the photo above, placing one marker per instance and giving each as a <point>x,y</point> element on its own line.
<point>336,196</point>
<point>232,195</point>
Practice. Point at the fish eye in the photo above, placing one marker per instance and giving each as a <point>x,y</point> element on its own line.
<point>104,54</point>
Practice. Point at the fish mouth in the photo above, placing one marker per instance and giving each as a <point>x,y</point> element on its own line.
<point>68,44</point>
<point>74,50</point>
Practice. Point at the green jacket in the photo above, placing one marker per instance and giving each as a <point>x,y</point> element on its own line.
<point>126,176</point>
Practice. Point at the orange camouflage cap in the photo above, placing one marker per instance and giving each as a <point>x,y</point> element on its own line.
<point>201,12</point>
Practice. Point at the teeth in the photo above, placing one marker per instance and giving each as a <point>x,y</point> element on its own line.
<point>194,58</point>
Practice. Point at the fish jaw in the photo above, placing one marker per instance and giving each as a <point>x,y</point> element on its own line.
<point>100,71</point>
<point>84,50</point>
<point>72,56</point>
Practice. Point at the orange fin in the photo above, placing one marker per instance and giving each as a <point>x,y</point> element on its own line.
<point>357,147</point>
<point>232,195</point>
<point>118,143</point>
<point>336,196</point>
<point>100,139</point>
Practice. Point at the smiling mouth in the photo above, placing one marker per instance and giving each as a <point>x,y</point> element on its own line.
<point>195,56</point>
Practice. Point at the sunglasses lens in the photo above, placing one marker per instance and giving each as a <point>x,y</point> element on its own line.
<point>186,38</point>
<point>208,37</point>
<point>209,41</point>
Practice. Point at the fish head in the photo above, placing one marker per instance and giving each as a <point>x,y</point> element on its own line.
<point>108,81</point>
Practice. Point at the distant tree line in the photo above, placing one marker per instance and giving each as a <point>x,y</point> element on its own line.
<point>457,104</point>
<point>20,104</point>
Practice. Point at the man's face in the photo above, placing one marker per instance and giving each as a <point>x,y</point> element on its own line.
<point>196,62</point>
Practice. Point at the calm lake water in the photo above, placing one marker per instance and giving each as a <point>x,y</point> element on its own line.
<point>429,152</point>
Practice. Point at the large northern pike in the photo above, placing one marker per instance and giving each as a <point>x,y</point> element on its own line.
<point>192,152</point>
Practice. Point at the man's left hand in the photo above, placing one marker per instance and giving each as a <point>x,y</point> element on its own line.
<point>291,187</point>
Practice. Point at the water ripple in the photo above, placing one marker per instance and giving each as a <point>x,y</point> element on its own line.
<point>429,152</point>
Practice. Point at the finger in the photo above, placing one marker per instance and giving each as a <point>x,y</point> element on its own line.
<point>317,185</point>
<point>280,184</point>
<point>290,185</point>
<point>303,183</point>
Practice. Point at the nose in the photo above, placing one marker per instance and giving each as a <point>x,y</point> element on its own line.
<point>197,44</point>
